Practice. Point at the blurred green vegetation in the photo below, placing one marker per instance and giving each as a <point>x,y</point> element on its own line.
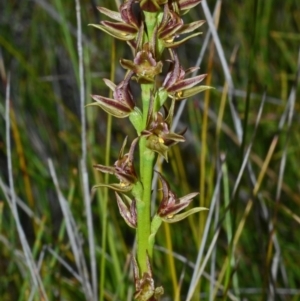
<point>261,40</point>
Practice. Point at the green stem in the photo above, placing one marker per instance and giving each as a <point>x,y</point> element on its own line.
<point>144,195</point>
<point>142,192</point>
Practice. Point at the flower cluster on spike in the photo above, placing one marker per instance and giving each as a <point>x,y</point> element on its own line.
<point>153,29</point>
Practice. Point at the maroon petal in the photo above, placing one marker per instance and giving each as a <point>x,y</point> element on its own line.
<point>186,83</point>
<point>187,4</point>
<point>128,214</point>
<point>110,13</point>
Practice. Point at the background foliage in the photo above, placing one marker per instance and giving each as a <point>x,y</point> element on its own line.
<point>256,256</point>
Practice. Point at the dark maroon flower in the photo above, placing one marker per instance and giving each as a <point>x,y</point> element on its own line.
<point>122,104</point>
<point>177,85</point>
<point>172,26</point>
<point>123,169</point>
<point>170,205</point>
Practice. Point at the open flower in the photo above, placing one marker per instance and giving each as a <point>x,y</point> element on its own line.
<point>159,137</point>
<point>144,285</point>
<point>144,65</point>
<point>170,205</point>
<point>123,169</point>
<point>128,213</point>
<point>177,85</point>
<point>126,28</point>
<point>172,26</point>
<point>122,104</point>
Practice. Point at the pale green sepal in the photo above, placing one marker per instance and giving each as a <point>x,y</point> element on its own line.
<point>191,92</point>
<point>136,118</point>
<point>115,33</point>
<point>111,14</point>
<point>180,42</point>
<point>110,110</point>
<point>115,187</point>
<point>178,217</point>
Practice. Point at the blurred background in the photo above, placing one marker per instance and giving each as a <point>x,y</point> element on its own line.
<point>252,62</point>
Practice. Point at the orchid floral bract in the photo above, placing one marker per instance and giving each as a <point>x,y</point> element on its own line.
<point>153,29</point>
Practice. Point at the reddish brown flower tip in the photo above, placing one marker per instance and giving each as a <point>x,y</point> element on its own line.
<point>129,214</point>
<point>170,204</point>
<point>144,285</point>
<point>123,169</point>
<point>122,104</point>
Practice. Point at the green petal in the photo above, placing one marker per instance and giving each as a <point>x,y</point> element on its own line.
<point>178,217</point>
<point>190,27</point>
<point>110,106</point>
<point>155,145</point>
<point>110,13</point>
<point>180,42</point>
<point>110,84</point>
<point>191,92</point>
<point>188,4</point>
<point>115,187</point>
<point>116,33</point>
